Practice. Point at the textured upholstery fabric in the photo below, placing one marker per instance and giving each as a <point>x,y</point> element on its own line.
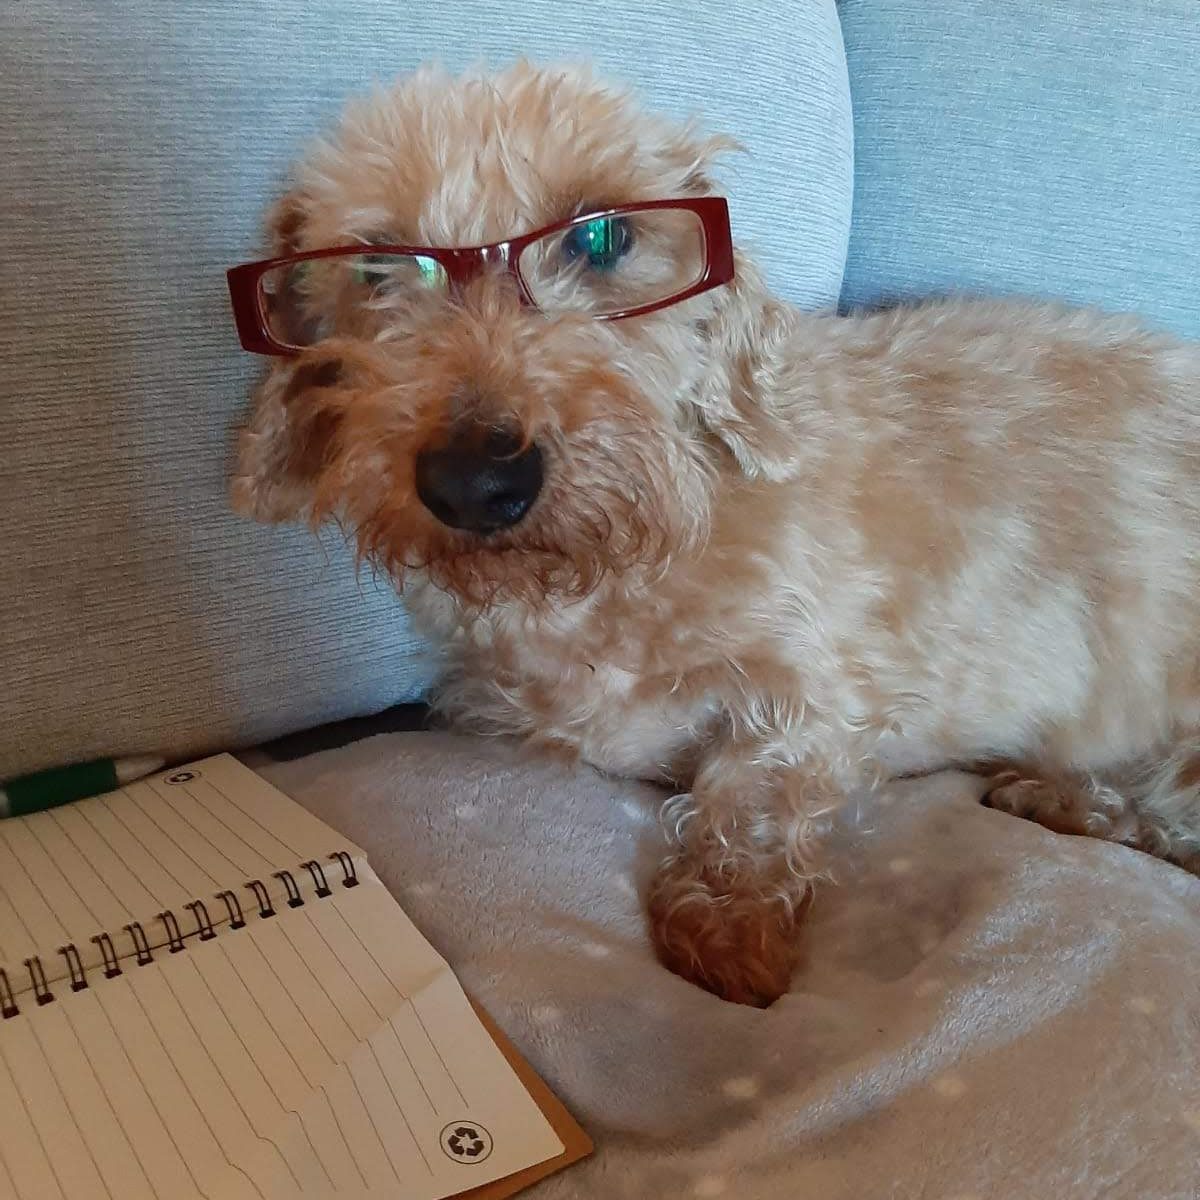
<point>138,146</point>
<point>1016,147</point>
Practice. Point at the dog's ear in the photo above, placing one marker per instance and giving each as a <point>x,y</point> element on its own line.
<point>694,155</point>
<point>290,433</point>
<point>742,400</point>
<point>284,221</point>
<point>289,440</point>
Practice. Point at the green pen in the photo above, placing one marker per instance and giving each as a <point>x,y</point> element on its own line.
<point>60,785</point>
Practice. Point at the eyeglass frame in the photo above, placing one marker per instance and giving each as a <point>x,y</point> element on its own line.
<point>462,264</point>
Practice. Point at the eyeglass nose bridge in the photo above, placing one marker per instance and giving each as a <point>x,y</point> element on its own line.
<point>467,263</point>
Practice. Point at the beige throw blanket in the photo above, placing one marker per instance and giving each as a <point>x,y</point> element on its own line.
<point>985,1009</point>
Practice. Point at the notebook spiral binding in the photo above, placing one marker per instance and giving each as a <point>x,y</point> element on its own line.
<point>204,930</point>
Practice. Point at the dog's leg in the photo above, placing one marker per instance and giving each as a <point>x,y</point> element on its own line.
<point>726,904</point>
<point>1153,806</point>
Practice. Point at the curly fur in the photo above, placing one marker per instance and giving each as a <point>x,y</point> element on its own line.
<point>777,553</point>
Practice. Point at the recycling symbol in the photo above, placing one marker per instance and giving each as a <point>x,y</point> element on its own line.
<point>182,776</point>
<point>466,1142</point>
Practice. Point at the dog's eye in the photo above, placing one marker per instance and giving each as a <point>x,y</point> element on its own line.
<point>370,269</point>
<point>603,242</point>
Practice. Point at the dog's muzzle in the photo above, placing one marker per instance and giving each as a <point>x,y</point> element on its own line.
<point>481,480</point>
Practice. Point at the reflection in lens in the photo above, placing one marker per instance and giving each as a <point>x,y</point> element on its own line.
<point>602,242</point>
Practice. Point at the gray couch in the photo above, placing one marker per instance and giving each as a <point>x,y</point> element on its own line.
<point>985,1010</point>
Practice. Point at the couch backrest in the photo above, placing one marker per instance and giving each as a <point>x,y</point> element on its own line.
<point>1029,148</point>
<point>140,141</point>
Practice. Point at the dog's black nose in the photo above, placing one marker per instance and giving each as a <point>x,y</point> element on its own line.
<point>481,480</point>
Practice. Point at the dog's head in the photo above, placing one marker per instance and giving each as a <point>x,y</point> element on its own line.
<point>503,448</point>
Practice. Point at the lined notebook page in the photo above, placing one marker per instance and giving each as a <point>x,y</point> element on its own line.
<point>98,865</point>
<point>326,1051</point>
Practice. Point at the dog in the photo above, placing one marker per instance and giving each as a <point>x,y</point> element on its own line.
<point>664,522</point>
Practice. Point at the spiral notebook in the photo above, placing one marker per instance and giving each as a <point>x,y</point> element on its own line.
<point>206,992</point>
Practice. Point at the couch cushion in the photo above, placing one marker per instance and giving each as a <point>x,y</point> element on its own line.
<point>1017,147</point>
<point>140,143</point>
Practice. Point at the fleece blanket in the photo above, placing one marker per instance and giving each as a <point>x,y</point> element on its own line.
<point>984,1009</point>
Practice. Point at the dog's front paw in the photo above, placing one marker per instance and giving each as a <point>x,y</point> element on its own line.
<point>736,943</point>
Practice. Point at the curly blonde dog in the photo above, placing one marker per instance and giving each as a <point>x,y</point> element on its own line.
<point>763,556</point>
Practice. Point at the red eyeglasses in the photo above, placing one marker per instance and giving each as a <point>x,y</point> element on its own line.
<point>615,263</point>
